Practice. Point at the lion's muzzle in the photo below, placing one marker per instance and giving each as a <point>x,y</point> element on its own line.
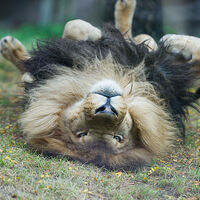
<point>105,106</point>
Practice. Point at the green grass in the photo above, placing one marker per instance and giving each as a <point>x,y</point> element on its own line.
<point>27,175</point>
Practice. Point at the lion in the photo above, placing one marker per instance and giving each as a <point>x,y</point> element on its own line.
<point>103,98</point>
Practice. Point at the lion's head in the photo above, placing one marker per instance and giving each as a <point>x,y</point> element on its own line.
<point>105,114</point>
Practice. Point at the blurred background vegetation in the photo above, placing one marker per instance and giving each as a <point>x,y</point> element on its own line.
<point>39,19</point>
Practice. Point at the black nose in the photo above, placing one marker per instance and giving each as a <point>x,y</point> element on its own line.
<point>107,109</point>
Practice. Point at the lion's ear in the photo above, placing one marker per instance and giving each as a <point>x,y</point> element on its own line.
<point>155,129</point>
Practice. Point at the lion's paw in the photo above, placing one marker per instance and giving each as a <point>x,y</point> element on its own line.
<point>125,4</point>
<point>81,30</point>
<point>186,47</point>
<point>12,49</point>
<point>4,47</point>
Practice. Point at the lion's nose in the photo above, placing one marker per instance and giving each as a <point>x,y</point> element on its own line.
<point>107,108</point>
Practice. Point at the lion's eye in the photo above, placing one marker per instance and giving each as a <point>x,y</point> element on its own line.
<point>118,138</point>
<point>81,134</point>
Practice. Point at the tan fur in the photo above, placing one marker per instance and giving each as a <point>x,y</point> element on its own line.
<point>64,106</point>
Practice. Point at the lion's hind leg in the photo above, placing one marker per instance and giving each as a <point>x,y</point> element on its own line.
<point>14,51</point>
<point>124,11</point>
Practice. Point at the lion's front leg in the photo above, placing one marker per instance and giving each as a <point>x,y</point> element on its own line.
<point>15,52</point>
<point>124,11</point>
<point>81,30</point>
<point>186,48</point>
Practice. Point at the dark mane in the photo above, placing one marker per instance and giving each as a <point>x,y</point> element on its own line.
<point>171,80</point>
<point>174,82</point>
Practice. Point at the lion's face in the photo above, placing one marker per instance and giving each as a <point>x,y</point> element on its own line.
<point>109,117</point>
<point>101,116</point>
<point>99,128</point>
